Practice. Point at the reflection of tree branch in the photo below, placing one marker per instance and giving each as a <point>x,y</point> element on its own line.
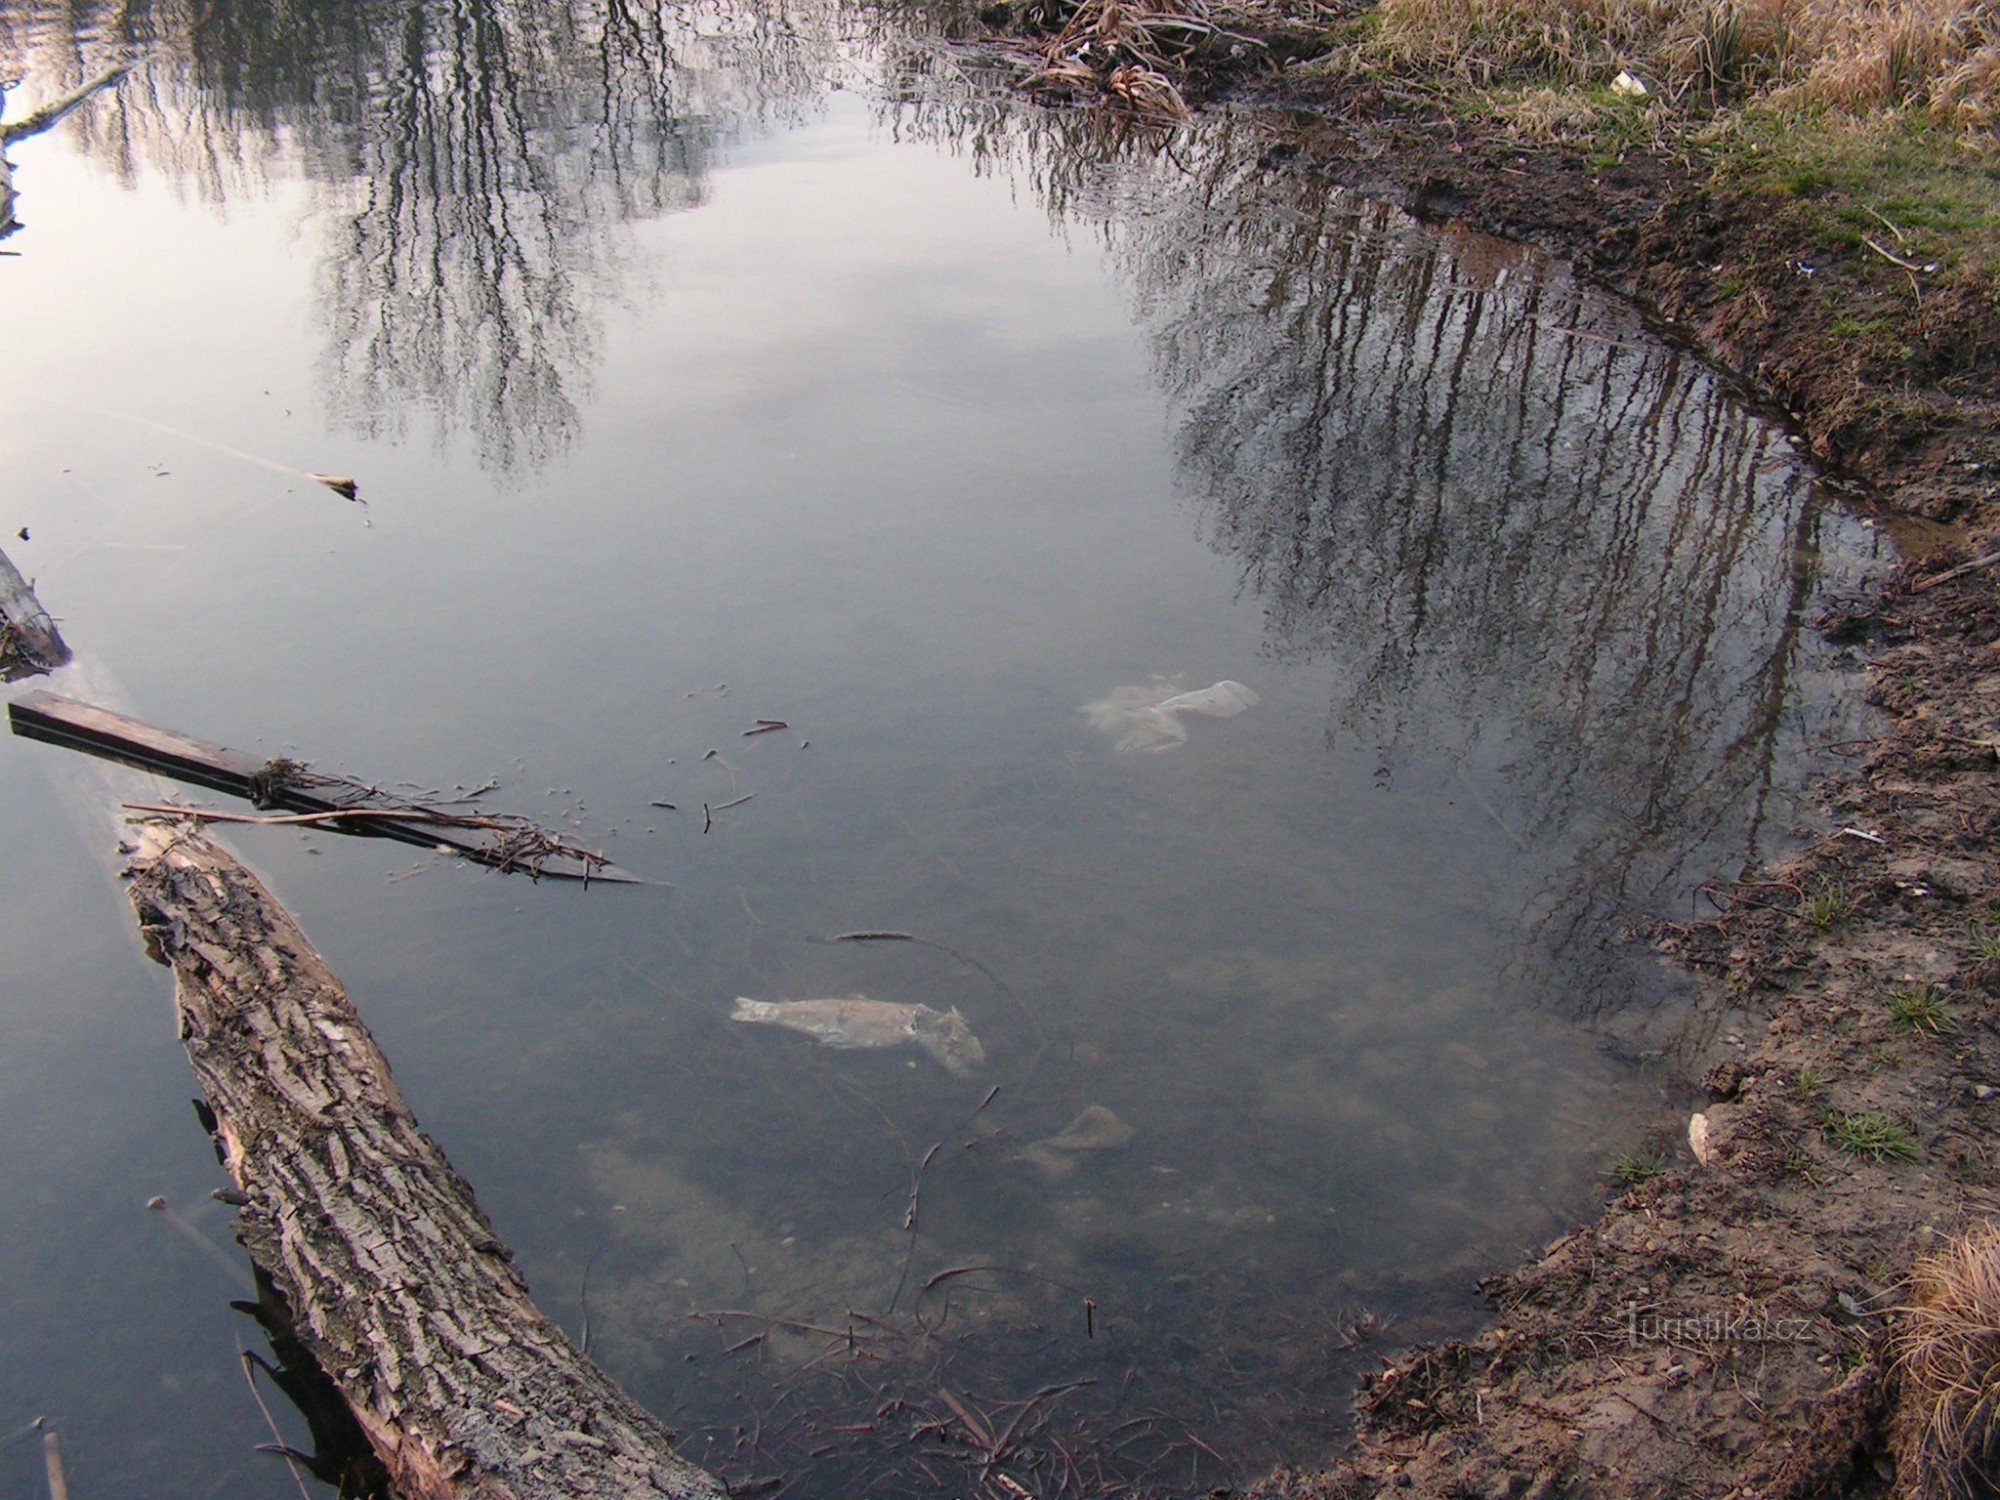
<point>46,117</point>
<point>482,157</point>
<point>1522,527</point>
<point>35,123</point>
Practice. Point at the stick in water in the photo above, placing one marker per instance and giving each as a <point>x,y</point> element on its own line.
<point>52,1458</point>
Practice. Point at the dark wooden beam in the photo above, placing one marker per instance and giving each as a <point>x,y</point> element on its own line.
<point>56,720</point>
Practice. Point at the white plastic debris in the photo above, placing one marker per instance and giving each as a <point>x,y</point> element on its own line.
<point>1629,86</point>
<point>1145,716</point>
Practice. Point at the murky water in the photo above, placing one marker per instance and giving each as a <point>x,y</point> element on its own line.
<point>714,365</point>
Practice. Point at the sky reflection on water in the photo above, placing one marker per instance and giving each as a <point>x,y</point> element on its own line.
<point>684,391</point>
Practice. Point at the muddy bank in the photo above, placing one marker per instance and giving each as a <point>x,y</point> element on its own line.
<point>1723,1329</point>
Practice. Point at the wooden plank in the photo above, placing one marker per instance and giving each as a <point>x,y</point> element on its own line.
<point>50,717</point>
<point>394,1279</point>
<point>30,644</point>
<point>54,719</point>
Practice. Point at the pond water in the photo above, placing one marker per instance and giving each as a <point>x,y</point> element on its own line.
<point>717,364</point>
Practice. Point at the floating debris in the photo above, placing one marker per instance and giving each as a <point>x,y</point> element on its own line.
<point>860,1022</point>
<point>1144,717</point>
<point>340,484</point>
<point>1131,54</point>
<point>1096,1129</point>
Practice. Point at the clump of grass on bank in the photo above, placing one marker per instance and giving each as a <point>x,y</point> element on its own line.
<point>1630,1168</point>
<point>1947,1429</point>
<point>1828,904</point>
<point>1871,1134</point>
<point>1921,1007</point>
<point>1878,117</point>
<point>1984,935</point>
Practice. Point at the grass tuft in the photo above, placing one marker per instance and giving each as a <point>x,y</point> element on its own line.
<point>1828,904</point>
<point>1984,935</point>
<point>1947,1342</point>
<point>1921,1007</point>
<point>1631,1169</point>
<point>1871,1134</point>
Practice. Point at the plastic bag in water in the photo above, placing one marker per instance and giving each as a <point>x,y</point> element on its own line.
<point>1146,717</point>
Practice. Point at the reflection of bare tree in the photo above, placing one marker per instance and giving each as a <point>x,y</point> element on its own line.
<point>479,158</point>
<point>1553,559</point>
<point>1527,528</point>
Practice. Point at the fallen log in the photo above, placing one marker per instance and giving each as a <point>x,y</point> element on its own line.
<point>392,1277</point>
<point>30,644</point>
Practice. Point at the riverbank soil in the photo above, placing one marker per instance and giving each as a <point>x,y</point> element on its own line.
<point>1727,1327</point>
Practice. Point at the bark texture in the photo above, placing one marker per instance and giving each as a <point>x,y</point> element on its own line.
<point>30,644</point>
<point>395,1280</point>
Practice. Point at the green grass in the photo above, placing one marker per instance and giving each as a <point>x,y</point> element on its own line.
<point>1809,1082</point>
<point>1872,1134</point>
<point>1984,936</point>
<point>1841,176</point>
<point>1631,1169</point>
<point>1827,904</point>
<point>1921,1007</point>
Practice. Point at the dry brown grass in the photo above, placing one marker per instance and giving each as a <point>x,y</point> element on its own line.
<point>1939,55</point>
<point>1947,1430</point>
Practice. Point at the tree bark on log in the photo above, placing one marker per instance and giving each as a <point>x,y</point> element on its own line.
<point>393,1277</point>
<point>30,644</point>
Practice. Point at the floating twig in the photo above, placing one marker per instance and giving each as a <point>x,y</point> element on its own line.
<point>249,1362</point>
<point>730,1312</point>
<point>52,1460</point>
<point>519,844</point>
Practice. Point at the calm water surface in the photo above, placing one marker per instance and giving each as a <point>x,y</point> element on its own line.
<point>713,364</point>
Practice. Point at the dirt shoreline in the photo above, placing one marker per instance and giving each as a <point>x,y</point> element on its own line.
<point>1723,1328</point>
